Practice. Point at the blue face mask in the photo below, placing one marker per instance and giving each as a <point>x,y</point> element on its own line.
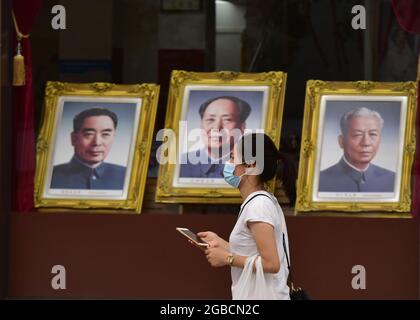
<point>230,178</point>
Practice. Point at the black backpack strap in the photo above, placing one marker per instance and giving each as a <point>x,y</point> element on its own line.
<point>285,251</point>
<point>290,280</point>
<point>243,207</point>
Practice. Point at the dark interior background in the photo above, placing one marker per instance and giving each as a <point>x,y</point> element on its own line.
<point>119,255</point>
<point>5,120</point>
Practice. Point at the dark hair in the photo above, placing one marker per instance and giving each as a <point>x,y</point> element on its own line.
<point>271,155</point>
<point>242,107</point>
<point>93,112</point>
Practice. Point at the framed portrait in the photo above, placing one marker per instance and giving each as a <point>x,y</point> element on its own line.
<point>205,110</point>
<point>94,145</point>
<point>357,150</point>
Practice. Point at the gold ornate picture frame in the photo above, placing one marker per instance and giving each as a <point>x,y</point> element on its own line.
<point>357,149</point>
<point>258,99</point>
<point>94,145</point>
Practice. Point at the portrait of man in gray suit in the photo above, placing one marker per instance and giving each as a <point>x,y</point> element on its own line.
<point>360,139</point>
<point>93,134</point>
<point>220,117</point>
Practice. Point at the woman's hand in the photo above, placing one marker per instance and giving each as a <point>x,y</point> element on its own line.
<point>213,240</point>
<point>217,257</point>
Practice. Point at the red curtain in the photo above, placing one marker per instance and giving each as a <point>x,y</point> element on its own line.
<point>23,145</point>
<point>408,16</point>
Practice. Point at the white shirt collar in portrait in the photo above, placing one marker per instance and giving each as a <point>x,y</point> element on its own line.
<point>353,167</point>
<point>87,165</point>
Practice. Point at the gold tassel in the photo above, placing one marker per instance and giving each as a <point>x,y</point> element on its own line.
<point>19,68</point>
<point>19,74</point>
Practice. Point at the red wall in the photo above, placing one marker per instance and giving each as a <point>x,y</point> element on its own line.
<point>142,256</point>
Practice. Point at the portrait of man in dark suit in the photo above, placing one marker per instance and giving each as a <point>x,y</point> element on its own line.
<point>220,117</point>
<point>92,137</point>
<point>360,140</point>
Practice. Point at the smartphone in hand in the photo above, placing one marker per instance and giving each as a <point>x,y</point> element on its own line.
<point>193,238</point>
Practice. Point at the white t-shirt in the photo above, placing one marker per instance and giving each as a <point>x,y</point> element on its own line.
<point>242,243</point>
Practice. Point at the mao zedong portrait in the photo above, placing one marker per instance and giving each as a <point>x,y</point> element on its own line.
<point>360,139</point>
<point>92,138</point>
<point>220,118</point>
